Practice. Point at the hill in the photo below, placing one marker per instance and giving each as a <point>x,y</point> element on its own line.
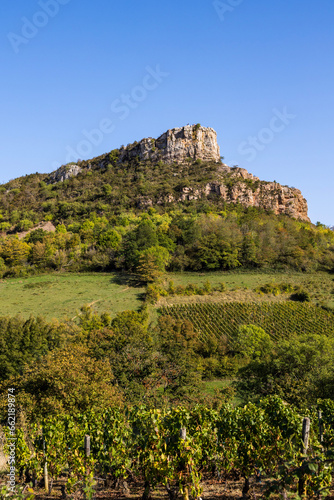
<point>183,165</point>
<point>170,197</point>
<point>248,316</point>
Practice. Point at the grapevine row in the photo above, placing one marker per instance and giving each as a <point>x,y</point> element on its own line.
<point>174,447</point>
<point>278,320</point>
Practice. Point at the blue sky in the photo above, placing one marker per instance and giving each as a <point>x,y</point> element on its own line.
<point>82,77</point>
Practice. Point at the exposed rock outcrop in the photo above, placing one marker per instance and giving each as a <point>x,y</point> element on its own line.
<point>63,173</point>
<point>180,147</point>
<point>236,185</point>
<point>46,226</point>
<point>176,145</point>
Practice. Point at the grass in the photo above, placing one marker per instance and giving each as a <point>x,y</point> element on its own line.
<point>211,386</point>
<point>241,285</point>
<point>61,296</point>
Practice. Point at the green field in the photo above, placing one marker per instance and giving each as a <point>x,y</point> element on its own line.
<point>62,295</point>
<point>241,285</point>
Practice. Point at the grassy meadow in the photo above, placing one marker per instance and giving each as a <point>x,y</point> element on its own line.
<point>62,295</point>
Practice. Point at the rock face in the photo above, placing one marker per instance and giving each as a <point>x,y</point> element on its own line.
<point>176,145</point>
<point>63,173</point>
<point>236,185</point>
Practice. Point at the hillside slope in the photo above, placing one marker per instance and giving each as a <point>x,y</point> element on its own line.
<point>183,165</point>
<point>170,201</point>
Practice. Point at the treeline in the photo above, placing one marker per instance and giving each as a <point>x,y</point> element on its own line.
<point>151,242</point>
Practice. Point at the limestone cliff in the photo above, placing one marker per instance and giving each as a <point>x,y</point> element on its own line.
<point>63,173</point>
<point>181,149</point>
<point>236,185</point>
<point>176,145</point>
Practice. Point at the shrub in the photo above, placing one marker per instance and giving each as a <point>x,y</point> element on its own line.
<point>222,287</point>
<point>207,287</point>
<point>152,294</point>
<point>5,226</point>
<point>276,288</point>
<point>252,341</point>
<point>2,267</point>
<point>301,296</point>
<point>61,228</point>
<point>24,225</point>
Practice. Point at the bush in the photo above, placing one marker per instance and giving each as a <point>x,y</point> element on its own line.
<point>2,267</point>
<point>222,287</point>
<point>253,342</point>
<point>5,226</point>
<point>207,287</point>
<point>152,294</point>
<point>24,225</point>
<point>276,288</point>
<point>301,296</point>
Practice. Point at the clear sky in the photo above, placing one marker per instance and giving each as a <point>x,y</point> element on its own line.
<point>82,77</point>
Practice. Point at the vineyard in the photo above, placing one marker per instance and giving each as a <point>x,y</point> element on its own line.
<point>278,320</point>
<point>175,448</point>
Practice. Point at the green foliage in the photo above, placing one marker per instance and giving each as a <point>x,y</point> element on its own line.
<point>61,228</point>
<point>200,234</point>
<point>14,251</point>
<point>154,292</point>
<point>176,447</point>
<point>5,226</point>
<point>152,263</point>
<point>66,381</point>
<point>299,370</point>
<point>21,493</point>
<point>22,341</point>
<point>276,288</point>
<point>24,225</point>
<point>253,342</point>
<point>109,239</point>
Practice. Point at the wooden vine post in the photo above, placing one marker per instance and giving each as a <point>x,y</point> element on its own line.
<point>87,445</point>
<point>321,427</point>
<point>87,450</point>
<point>183,436</point>
<point>305,443</point>
<point>46,477</point>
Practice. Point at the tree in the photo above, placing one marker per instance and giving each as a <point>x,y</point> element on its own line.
<point>180,366</point>
<point>109,239</point>
<point>299,371</point>
<point>253,342</point>
<point>15,252</point>
<point>66,381</point>
<point>152,263</point>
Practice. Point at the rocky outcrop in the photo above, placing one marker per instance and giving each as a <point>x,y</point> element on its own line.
<point>63,173</point>
<point>236,185</point>
<point>180,147</point>
<point>45,226</point>
<point>176,145</point>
